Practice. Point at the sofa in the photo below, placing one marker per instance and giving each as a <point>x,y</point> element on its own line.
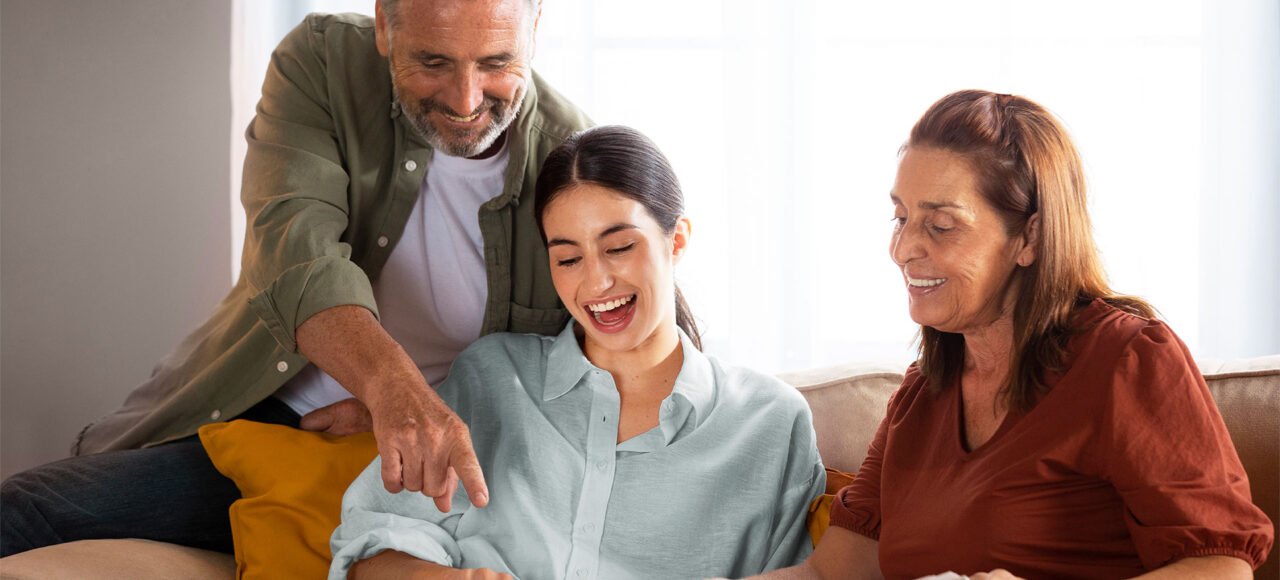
<point>848,403</point>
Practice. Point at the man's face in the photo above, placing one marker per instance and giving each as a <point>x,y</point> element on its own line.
<point>459,69</point>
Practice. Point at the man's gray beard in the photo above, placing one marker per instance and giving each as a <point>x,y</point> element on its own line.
<point>489,135</point>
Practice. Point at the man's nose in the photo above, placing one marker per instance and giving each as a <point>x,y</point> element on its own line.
<point>466,95</point>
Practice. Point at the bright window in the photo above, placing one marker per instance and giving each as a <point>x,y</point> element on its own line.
<point>783,120</point>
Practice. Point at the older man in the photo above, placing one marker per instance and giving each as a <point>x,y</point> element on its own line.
<point>388,188</point>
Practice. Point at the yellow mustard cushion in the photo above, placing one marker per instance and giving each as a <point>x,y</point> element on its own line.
<point>291,483</point>
<point>820,508</point>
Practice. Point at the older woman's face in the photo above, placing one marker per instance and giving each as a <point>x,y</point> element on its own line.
<point>951,245</point>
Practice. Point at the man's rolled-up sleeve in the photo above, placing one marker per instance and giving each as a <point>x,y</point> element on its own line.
<point>295,197</point>
<point>374,521</point>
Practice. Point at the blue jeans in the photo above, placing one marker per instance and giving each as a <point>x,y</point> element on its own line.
<point>169,493</point>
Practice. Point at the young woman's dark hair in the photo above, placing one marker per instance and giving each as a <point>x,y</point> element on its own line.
<point>623,160</point>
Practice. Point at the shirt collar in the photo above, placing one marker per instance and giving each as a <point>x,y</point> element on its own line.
<point>696,381</point>
<point>566,365</point>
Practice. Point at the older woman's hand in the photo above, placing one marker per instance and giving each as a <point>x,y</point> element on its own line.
<point>997,574</point>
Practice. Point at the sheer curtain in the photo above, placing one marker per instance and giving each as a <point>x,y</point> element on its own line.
<point>783,120</point>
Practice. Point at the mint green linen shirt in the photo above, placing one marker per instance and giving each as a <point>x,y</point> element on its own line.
<point>721,487</point>
<point>331,175</point>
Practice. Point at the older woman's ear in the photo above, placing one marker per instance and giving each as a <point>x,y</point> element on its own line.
<point>680,238</point>
<point>1030,242</point>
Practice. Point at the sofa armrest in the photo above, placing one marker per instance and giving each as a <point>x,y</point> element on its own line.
<point>129,559</point>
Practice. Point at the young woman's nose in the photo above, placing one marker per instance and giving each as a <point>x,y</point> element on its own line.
<point>599,276</point>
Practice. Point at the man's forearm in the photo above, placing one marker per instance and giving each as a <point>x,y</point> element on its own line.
<point>424,445</point>
<point>349,344</point>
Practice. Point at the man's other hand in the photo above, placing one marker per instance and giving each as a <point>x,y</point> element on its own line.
<point>345,417</point>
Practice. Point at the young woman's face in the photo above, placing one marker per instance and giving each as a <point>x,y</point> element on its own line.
<point>612,266</point>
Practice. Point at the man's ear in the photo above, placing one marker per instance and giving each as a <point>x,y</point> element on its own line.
<point>533,38</point>
<point>680,239</point>
<point>1030,242</point>
<point>381,33</point>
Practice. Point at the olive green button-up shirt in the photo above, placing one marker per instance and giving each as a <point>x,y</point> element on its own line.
<point>331,175</point>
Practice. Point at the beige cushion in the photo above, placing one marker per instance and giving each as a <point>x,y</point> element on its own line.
<point>1248,395</point>
<point>848,402</point>
<point>116,560</point>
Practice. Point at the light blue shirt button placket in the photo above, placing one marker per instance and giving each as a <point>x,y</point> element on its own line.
<point>597,484</point>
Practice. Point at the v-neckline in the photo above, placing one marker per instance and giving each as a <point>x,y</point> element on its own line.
<point>1010,422</point>
<point>961,442</point>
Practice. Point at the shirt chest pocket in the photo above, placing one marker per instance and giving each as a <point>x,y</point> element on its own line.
<point>548,321</point>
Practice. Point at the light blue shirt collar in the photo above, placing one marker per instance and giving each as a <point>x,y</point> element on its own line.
<point>694,389</point>
<point>566,364</point>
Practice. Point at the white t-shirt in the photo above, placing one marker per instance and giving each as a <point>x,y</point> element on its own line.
<point>432,291</point>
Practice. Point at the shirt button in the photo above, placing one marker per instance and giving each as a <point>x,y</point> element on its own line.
<point>582,572</point>
<point>589,528</point>
<point>215,415</point>
<point>383,241</point>
<point>410,165</point>
<point>282,366</point>
<point>602,465</point>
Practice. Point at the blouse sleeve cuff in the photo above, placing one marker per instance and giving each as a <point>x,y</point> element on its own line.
<point>854,515</point>
<point>1255,557</point>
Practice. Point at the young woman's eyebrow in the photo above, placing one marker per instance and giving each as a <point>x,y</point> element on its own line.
<point>609,231</point>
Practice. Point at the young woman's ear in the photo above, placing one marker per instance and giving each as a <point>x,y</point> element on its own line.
<point>680,238</point>
<point>1030,242</point>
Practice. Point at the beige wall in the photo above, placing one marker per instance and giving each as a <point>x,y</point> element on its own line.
<point>114,211</point>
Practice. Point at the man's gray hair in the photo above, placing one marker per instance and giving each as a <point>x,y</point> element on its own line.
<point>389,10</point>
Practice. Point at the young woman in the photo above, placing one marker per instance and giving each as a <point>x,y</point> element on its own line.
<point>616,449</point>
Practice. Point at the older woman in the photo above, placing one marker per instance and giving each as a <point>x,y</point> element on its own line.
<point>616,449</point>
<point>1051,428</point>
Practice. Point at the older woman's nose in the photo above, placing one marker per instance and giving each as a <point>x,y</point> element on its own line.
<point>905,246</point>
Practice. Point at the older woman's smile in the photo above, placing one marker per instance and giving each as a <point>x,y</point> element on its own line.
<point>925,282</point>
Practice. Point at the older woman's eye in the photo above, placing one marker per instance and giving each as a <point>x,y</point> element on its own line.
<point>898,222</point>
<point>567,262</point>
<point>621,250</point>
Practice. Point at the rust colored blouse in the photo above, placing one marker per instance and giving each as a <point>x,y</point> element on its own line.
<point>1124,466</point>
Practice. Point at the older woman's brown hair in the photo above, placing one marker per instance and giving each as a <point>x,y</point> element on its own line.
<point>1026,165</point>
